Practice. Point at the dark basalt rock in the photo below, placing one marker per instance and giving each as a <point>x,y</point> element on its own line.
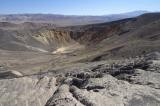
<point>80,83</point>
<point>95,87</point>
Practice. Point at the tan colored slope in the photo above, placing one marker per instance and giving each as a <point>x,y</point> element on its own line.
<point>58,41</point>
<point>42,39</point>
<point>49,37</point>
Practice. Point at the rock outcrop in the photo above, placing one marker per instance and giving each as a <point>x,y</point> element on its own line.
<point>133,82</point>
<point>130,82</point>
<point>26,91</point>
<point>10,74</point>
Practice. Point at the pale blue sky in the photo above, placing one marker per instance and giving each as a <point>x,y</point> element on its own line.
<point>77,7</point>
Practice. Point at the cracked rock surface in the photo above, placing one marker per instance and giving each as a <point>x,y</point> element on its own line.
<point>130,82</point>
<point>135,82</point>
<point>26,91</point>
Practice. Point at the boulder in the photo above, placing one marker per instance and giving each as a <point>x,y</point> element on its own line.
<point>10,74</point>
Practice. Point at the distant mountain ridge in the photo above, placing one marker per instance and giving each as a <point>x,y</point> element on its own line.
<point>67,20</point>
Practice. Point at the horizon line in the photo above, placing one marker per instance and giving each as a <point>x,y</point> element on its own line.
<point>77,15</point>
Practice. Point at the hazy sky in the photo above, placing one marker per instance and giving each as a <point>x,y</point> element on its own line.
<point>77,7</point>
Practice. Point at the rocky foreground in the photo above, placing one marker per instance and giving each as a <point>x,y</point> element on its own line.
<point>129,82</point>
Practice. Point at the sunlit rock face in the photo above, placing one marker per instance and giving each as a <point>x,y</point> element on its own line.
<point>130,82</point>
<point>26,91</point>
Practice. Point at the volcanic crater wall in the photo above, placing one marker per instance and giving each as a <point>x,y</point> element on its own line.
<point>36,40</point>
<point>54,39</point>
